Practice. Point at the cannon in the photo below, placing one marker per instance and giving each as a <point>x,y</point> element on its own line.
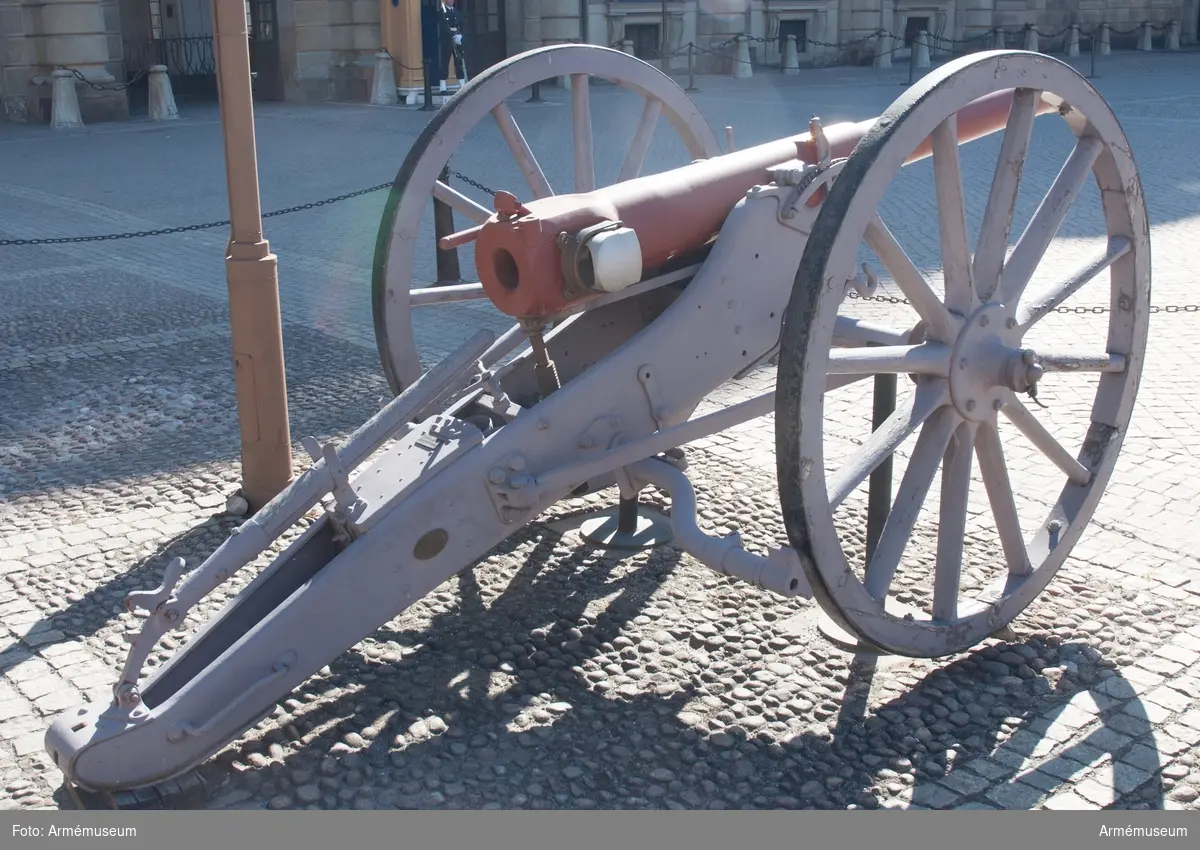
<point>608,314</point>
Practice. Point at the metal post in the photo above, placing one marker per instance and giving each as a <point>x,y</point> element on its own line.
<point>251,274</point>
<point>691,86</point>
<point>535,93</point>
<point>662,50</point>
<point>1092,50</point>
<point>912,60</point>
<point>627,515</point>
<point>443,225</point>
<point>428,107</point>
<point>879,492</point>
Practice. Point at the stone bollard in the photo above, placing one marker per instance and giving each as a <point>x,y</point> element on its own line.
<point>741,59</point>
<point>1105,40</point>
<point>791,57</point>
<point>922,48</point>
<point>1031,38</point>
<point>627,46</point>
<point>64,102</point>
<point>1144,43</point>
<point>883,50</point>
<point>1000,40</point>
<point>1173,36</point>
<point>1073,40</point>
<point>161,96</point>
<point>383,87</point>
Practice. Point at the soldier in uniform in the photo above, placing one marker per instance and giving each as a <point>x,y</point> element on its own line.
<point>450,31</point>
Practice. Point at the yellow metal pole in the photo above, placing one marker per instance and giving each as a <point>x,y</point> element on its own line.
<point>252,275</point>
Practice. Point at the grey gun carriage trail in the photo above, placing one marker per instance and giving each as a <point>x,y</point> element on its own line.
<point>505,392</point>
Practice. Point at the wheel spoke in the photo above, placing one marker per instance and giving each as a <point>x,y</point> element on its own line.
<point>884,441</point>
<point>527,162</point>
<point>942,326</point>
<point>910,497</point>
<point>461,203</point>
<point>1044,441</point>
<point>1002,200</point>
<point>642,137</point>
<point>1039,306</point>
<point>581,120</point>
<point>1047,220</point>
<point>952,523</point>
<point>929,358</point>
<point>1000,496</point>
<point>952,218</point>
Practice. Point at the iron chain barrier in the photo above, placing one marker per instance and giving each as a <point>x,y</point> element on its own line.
<point>101,87</point>
<point>1097,309</point>
<point>905,42</point>
<point>686,50</point>
<point>166,231</point>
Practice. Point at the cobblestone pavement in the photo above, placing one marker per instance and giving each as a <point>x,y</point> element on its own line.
<point>552,674</point>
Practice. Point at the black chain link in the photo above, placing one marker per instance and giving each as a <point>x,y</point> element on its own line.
<point>61,240</point>
<point>99,87</point>
<point>1094,310</point>
<point>464,178</point>
<point>401,64</point>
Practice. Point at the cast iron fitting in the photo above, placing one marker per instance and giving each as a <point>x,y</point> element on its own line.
<point>1024,371</point>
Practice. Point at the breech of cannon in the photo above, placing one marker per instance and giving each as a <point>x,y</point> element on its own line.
<point>519,250</point>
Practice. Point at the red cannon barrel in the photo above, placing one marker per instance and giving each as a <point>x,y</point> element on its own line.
<point>518,256</point>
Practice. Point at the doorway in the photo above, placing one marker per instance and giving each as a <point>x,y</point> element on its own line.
<point>483,34</point>
<point>264,49</point>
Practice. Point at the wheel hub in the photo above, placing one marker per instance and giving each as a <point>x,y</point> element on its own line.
<point>989,362</point>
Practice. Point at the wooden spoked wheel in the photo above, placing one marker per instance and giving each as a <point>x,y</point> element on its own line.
<point>977,353</point>
<point>404,275</point>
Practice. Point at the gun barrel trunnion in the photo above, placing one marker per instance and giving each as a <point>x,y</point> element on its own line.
<point>633,303</point>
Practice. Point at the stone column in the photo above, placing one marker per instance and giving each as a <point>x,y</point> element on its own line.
<point>72,34</point>
<point>533,24</point>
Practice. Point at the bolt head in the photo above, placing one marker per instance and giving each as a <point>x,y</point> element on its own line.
<point>1010,323</point>
<point>543,424</point>
<point>496,476</point>
<point>970,404</point>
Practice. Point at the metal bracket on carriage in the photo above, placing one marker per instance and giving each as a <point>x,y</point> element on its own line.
<point>781,571</point>
<point>162,614</point>
<point>604,257</point>
<point>345,498</point>
<point>802,176</point>
<point>512,488</point>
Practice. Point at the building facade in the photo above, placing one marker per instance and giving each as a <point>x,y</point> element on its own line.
<point>323,50</point>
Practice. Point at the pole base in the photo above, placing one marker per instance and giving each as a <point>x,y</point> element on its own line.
<point>603,530</point>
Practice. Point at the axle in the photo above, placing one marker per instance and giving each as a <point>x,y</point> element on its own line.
<point>518,251</point>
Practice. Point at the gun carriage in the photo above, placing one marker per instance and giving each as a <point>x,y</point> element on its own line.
<point>631,304</point>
